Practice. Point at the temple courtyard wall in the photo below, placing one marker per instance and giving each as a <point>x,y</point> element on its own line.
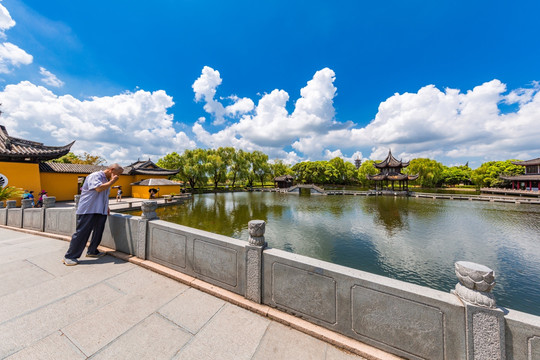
<point>407,320</point>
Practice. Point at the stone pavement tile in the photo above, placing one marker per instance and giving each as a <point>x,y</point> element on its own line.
<point>153,338</point>
<point>138,279</point>
<point>282,342</point>
<point>21,274</point>
<point>25,249</point>
<point>52,262</point>
<point>233,333</point>
<point>25,300</point>
<point>103,326</point>
<point>54,347</point>
<point>25,330</point>
<point>192,309</point>
<point>333,353</point>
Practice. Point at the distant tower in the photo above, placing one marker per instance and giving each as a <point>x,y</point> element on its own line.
<point>357,162</point>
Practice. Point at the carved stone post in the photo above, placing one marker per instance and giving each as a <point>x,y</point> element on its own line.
<point>484,321</point>
<point>26,203</point>
<point>254,251</point>
<point>148,208</point>
<point>49,202</point>
<point>11,204</point>
<point>1,204</point>
<point>77,198</point>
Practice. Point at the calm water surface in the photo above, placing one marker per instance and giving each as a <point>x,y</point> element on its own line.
<point>410,239</point>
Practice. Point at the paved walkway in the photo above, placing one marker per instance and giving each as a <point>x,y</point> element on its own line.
<point>111,309</point>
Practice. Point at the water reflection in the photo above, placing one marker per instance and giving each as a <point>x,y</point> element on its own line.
<point>411,239</point>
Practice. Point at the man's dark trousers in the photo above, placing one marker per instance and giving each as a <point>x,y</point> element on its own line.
<point>86,223</point>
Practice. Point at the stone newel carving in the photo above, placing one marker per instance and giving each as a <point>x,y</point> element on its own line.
<point>149,210</point>
<point>475,283</point>
<point>11,204</point>
<point>26,203</point>
<point>254,260</point>
<point>76,199</point>
<point>256,232</point>
<point>1,204</point>
<point>49,202</point>
<point>485,322</point>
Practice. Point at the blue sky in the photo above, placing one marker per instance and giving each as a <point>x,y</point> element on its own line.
<point>453,81</point>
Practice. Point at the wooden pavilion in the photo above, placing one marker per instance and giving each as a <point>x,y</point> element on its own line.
<point>390,171</point>
<point>529,180</point>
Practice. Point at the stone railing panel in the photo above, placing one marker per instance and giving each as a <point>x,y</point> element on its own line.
<point>60,221</point>
<point>216,259</point>
<point>33,219</point>
<point>14,217</point>
<point>3,216</point>
<point>401,318</point>
<point>121,233</point>
<point>522,336</point>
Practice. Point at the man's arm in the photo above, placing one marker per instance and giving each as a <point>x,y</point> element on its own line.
<point>108,184</point>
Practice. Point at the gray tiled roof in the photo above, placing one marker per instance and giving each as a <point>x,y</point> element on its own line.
<point>15,149</point>
<point>156,182</point>
<point>527,162</point>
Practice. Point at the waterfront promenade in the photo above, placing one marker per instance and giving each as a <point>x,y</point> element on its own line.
<point>108,308</point>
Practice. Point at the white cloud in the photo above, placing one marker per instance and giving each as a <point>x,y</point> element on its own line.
<point>120,128</point>
<point>49,78</point>
<point>12,55</point>
<point>6,22</point>
<point>205,90</point>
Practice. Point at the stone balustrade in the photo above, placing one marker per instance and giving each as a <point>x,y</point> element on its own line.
<point>408,320</point>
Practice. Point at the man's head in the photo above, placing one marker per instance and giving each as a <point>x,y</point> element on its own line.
<point>114,169</point>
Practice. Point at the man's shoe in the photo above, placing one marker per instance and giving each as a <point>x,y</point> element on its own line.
<point>70,262</point>
<point>99,254</point>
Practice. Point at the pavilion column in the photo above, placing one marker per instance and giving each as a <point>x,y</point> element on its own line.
<point>513,184</point>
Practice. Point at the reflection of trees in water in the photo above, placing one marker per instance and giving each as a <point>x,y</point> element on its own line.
<point>220,213</point>
<point>388,212</point>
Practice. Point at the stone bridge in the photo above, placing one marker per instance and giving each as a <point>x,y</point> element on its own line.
<point>314,189</point>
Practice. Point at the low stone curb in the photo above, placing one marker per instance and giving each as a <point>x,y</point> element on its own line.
<point>304,326</point>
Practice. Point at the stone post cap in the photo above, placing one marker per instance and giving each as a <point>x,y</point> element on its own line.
<point>76,198</point>
<point>49,201</point>
<point>11,204</point>
<point>256,230</point>
<point>26,203</point>
<point>1,204</point>
<point>475,276</point>
<point>148,208</point>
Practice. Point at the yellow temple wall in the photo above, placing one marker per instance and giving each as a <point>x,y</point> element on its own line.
<point>22,175</point>
<point>142,191</point>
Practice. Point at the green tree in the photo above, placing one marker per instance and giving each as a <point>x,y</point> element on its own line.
<point>279,168</point>
<point>85,159</point>
<point>171,161</point>
<point>367,168</point>
<point>193,167</point>
<point>239,167</point>
<point>216,166</point>
<point>456,175</point>
<point>488,174</point>
<point>259,165</point>
<point>430,172</point>
<point>10,192</point>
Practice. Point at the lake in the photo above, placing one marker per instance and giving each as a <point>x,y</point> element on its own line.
<point>411,239</point>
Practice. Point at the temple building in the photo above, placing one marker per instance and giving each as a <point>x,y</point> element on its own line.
<point>529,180</point>
<point>390,171</point>
<point>24,164</point>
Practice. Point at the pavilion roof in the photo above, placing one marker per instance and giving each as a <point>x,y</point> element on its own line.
<point>391,161</point>
<point>148,168</point>
<point>20,150</point>
<point>532,177</point>
<point>527,162</point>
<point>156,182</point>
<point>284,178</point>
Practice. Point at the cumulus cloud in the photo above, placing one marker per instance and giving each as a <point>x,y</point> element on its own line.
<point>11,54</point>
<point>270,127</point>
<point>6,22</point>
<point>49,78</point>
<point>205,88</point>
<point>120,128</point>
